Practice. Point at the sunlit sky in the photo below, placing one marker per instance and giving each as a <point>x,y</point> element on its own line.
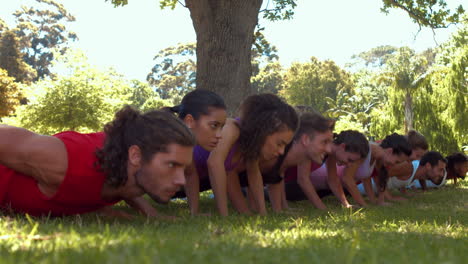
<point>127,38</point>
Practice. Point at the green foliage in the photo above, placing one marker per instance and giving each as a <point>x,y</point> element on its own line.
<point>428,13</point>
<point>448,96</point>
<point>143,97</point>
<point>309,83</point>
<point>82,101</point>
<point>269,79</point>
<point>266,70</point>
<point>406,72</point>
<point>279,9</point>
<point>11,59</point>
<point>167,3</point>
<point>376,57</point>
<point>274,10</point>
<point>174,73</point>
<point>40,32</point>
<point>436,81</point>
<point>10,94</point>
<point>3,26</point>
<point>453,56</point>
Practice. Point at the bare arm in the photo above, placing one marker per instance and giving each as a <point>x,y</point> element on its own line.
<point>367,182</point>
<point>350,183</point>
<point>334,182</point>
<point>284,201</point>
<point>423,185</point>
<point>303,180</point>
<point>42,157</point>
<point>216,169</point>
<point>275,193</point>
<point>254,177</point>
<point>235,193</point>
<point>192,189</point>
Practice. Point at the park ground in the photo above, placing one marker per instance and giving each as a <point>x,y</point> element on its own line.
<point>431,227</point>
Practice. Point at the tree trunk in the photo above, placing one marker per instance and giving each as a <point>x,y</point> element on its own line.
<point>408,112</point>
<point>225,34</point>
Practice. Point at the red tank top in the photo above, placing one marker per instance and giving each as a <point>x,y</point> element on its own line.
<point>80,191</point>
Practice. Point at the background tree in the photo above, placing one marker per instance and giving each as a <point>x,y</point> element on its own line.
<point>174,73</point>
<point>42,30</point>
<point>83,100</point>
<point>374,58</point>
<point>309,83</point>
<point>266,70</point>
<point>11,59</point>
<point>406,72</point>
<point>3,26</point>
<point>444,118</point>
<point>10,94</point>
<point>143,97</point>
<point>225,34</point>
<point>439,105</point>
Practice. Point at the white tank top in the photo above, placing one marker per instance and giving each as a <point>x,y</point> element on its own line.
<point>395,183</point>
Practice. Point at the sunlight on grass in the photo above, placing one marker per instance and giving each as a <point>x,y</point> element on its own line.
<point>431,227</point>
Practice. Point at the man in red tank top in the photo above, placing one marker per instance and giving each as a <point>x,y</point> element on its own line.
<point>72,173</point>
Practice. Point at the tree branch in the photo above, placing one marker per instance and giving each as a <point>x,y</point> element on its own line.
<point>181,3</point>
<point>420,20</point>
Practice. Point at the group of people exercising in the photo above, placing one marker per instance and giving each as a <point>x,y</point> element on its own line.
<point>271,151</point>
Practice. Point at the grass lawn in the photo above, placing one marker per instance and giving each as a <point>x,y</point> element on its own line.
<point>431,227</point>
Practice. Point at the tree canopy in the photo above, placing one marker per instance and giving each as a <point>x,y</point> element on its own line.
<point>225,32</point>
<point>41,30</point>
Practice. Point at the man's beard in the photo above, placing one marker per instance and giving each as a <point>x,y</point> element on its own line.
<point>153,196</point>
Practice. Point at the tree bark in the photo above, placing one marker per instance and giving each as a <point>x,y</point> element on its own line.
<point>408,112</point>
<point>225,34</point>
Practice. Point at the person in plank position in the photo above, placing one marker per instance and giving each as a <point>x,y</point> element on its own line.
<point>431,167</point>
<point>73,173</point>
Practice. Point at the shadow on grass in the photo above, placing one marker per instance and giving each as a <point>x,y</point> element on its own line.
<point>429,228</point>
<point>352,246</point>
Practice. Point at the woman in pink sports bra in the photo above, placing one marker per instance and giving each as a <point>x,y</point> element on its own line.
<point>347,148</point>
<point>266,126</point>
<point>311,142</point>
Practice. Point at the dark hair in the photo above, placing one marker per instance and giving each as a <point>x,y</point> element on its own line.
<point>197,103</point>
<point>432,157</point>
<point>453,159</point>
<point>152,132</point>
<point>417,140</point>
<point>355,142</point>
<point>399,145</point>
<point>310,123</point>
<point>260,116</point>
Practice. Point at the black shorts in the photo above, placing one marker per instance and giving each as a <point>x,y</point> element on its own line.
<point>294,192</point>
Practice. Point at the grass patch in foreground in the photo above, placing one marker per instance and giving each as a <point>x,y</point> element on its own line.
<point>431,227</point>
